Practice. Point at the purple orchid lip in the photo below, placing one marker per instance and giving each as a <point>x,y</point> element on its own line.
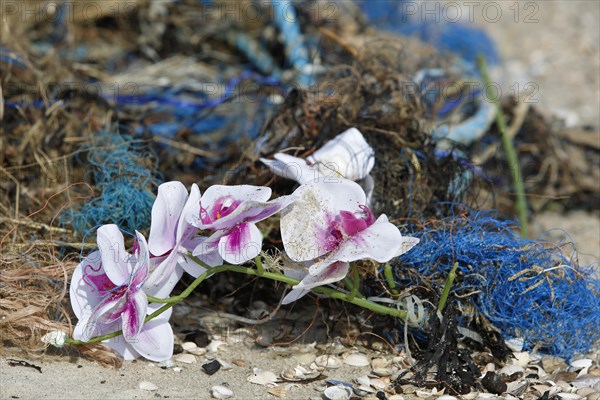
<point>222,207</point>
<point>347,224</point>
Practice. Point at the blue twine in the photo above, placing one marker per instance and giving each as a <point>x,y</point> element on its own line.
<point>126,185</point>
<point>286,20</point>
<point>525,288</point>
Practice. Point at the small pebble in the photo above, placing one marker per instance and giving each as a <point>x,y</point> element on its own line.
<point>149,386</point>
<point>187,346</point>
<point>212,367</point>
<point>492,382</point>
<point>199,337</point>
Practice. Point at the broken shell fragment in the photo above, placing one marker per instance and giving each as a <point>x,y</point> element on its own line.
<point>221,392</point>
<point>357,360</point>
<point>338,393</point>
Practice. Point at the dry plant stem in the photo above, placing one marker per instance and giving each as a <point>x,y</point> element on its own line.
<point>447,285</point>
<point>171,301</point>
<point>509,149</point>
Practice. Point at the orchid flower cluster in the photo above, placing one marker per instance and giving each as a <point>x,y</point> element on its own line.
<point>325,225</point>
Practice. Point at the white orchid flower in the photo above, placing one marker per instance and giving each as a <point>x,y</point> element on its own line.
<point>106,295</point>
<point>348,156</point>
<point>231,212</point>
<point>330,225</point>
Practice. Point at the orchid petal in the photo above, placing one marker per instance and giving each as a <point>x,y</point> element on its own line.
<point>125,349</point>
<point>86,330</point>
<point>252,211</point>
<point>85,294</point>
<point>142,262</point>
<point>207,250</point>
<point>191,267</point>
<point>242,243</point>
<point>191,210</point>
<point>291,167</point>
<point>114,257</point>
<point>303,238</point>
<point>162,273</point>
<point>155,341</point>
<point>166,212</point>
<point>238,192</point>
<point>332,273</point>
<point>166,287</point>
<point>348,154</point>
<point>381,242</point>
<point>108,311</point>
<point>134,314</point>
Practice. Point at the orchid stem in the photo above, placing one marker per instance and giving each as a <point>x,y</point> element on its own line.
<point>389,277</point>
<point>355,298</point>
<point>447,285</point>
<point>259,266</point>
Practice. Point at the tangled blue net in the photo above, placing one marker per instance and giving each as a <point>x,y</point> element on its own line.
<point>526,288</point>
<point>118,168</point>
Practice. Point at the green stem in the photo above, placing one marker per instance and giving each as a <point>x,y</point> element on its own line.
<point>259,266</point>
<point>389,277</point>
<point>447,285</point>
<point>509,149</point>
<point>332,293</point>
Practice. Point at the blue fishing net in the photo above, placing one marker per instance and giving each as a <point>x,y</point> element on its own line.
<point>121,169</point>
<point>526,288</point>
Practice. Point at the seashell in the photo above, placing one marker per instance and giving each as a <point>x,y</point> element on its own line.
<point>517,388</point>
<point>551,363</point>
<point>383,371</point>
<point>585,392</point>
<point>278,391</point>
<point>581,364</point>
<point>522,359</point>
<point>363,380</point>
<point>396,397</point>
<point>213,346</point>
<point>569,396</point>
<point>263,377</point>
<point>447,397</point>
<point>470,395</point>
<point>338,393</point>
<point>221,392</point>
<point>327,361</point>
<point>299,374</point>
<point>177,369</point>
<point>363,391</point>
<point>378,384</point>
<point>149,386</point>
<point>515,344</point>
<point>357,360</point>
<point>486,396</point>
<point>187,346</point>
<point>198,351</point>
<point>380,362</point>
<point>511,373</point>
<point>423,394</point>
<point>587,380</point>
<point>186,358</point>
